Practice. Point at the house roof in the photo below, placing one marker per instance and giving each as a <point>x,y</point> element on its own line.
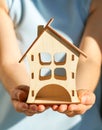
<point>51,29</point>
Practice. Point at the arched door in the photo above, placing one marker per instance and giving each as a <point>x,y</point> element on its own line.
<point>54,93</point>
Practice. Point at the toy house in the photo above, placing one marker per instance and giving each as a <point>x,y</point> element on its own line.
<point>53,62</point>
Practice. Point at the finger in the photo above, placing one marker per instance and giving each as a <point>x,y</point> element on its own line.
<point>20,106</point>
<point>86,97</point>
<point>33,108</point>
<point>75,110</point>
<point>20,93</point>
<point>24,108</point>
<point>27,113</point>
<point>79,108</point>
<point>70,113</point>
<point>62,108</point>
<point>37,108</point>
<point>41,108</point>
<point>55,107</point>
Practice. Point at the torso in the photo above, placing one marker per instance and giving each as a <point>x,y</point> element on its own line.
<point>69,22</point>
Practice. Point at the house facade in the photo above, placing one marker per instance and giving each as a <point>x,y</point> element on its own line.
<point>53,63</point>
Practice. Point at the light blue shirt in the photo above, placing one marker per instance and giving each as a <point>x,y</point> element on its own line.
<point>70,19</point>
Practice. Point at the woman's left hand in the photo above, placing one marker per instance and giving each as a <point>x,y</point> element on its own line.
<point>87,100</point>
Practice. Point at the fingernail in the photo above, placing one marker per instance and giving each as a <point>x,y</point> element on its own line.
<point>55,107</point>
<point>34,108</point>
<point>83,99</point>
<point>25,107</point>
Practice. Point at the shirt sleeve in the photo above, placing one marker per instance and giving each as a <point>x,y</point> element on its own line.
<point>15,10</point>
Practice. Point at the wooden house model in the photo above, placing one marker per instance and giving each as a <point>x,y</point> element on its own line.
<point>53,62</point>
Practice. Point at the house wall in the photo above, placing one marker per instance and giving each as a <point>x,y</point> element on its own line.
<point>49,43</point>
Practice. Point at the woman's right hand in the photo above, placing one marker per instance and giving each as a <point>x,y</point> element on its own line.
<point>19,96</point>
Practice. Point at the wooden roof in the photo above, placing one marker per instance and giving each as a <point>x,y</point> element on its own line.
<point>62,38</point>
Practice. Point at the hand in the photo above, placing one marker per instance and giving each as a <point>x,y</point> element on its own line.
<point>87,99</point>
<point>19,96</point>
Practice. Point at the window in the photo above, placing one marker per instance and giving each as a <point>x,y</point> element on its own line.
<point>45,58</point>
<point>60,58</point>
<point>45,73</point>
<point>60,73</point>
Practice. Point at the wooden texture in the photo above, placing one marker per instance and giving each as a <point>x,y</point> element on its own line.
<point>53,63</point>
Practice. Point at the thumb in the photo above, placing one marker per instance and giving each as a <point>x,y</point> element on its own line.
<point>87,97</point>
<point>20,93</point>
